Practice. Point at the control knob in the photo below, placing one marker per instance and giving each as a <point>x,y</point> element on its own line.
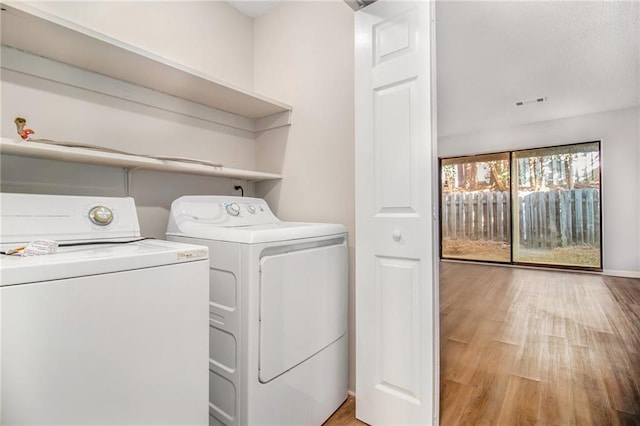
<point>251,209</point>
<point>101,215</point>
<point>233,209</point>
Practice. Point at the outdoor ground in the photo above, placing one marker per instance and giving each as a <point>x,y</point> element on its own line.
<point>493,251</point>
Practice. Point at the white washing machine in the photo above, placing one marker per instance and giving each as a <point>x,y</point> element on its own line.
<point>105,331</point>
<point>278,312</point>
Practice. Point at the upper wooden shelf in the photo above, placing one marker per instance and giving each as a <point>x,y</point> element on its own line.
<point>89,156</point>
<point>32,30</point>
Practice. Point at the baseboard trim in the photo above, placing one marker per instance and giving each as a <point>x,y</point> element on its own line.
<point>351,393</point>
<point>540,267</point>
<point>609,272</point>
<point>625,274</point>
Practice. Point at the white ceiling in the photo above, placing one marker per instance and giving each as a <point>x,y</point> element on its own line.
<point>253,8</point>
<point>583,56</point>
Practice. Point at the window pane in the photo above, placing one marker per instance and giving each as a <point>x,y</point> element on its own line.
<point>557,213</point>
<point>476,208</point>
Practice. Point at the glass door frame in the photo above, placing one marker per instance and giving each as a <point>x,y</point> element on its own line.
<point>513,210</point>
<point>507,210</point>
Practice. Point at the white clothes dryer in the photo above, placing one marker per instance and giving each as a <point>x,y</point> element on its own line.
<point>110,329</point>
<point>278,312</point>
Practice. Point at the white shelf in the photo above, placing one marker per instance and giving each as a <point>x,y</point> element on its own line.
<point>88,156</point>
<point>32,30</point>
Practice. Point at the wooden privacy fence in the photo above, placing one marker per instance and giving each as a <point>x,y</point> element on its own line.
<point>476,216</point>
<point>546,219</point>
<point>560,218</point>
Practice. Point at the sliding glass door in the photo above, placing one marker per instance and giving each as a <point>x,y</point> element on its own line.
<point>557,213</point>
<point>475,221</point>
<point>537,206</point>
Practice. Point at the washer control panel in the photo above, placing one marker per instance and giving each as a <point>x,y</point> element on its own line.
<point>26,217</point>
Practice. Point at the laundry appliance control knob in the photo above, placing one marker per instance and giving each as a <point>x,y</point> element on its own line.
<point>251,209</point>
<point>233,209</point>
<point>101,215</point>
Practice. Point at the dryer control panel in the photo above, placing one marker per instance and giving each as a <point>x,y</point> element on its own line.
<point>219,210</point>
<point>236,209</point>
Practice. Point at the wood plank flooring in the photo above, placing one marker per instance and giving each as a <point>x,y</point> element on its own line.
<point>345,415</point>
<point>521,346</point>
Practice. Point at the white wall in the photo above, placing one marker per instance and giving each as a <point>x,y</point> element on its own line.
<point>64,113</point>
<point>210,36</point>
<point>304,57</point>
<point>619,132</point>
<point>301,53</point>
<point>153,191</point>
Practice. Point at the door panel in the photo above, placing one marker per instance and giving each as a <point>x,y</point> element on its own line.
<point>475,206</point>
<point>393,148</point>
<point>394,37</point>
<point>556,208</point>
<point>397,291</point>
<point>396,284</point>
<point>303,296</point>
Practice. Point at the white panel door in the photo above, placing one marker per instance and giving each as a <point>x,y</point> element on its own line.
<point>396,281</point>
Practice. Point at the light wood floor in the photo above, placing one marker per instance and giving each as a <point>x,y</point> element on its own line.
<point>521,346</point>
<point>346,415</point>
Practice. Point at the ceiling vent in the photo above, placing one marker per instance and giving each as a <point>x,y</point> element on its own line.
<point>531,101</point>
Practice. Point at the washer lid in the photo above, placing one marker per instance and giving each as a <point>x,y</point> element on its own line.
<point>79,261</point>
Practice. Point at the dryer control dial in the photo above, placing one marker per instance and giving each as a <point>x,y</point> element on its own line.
<point>233,209</point>
<point>251,209</point>
<point>101,215</point>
